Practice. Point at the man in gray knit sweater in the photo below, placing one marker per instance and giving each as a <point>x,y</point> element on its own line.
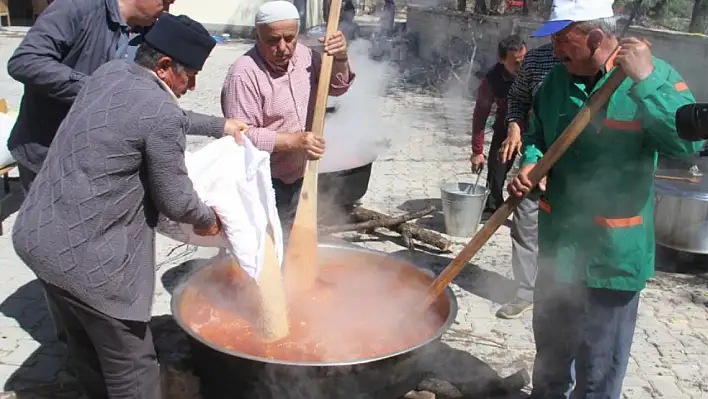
<point>87,226</point>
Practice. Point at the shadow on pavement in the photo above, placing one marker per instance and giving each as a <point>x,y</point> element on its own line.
<point>39,358</point>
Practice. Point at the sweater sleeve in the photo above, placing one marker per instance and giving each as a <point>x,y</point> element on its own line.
<point>205,125</point>
<point>519,99</point>
<point>170,187</point>
<point>482,109</point>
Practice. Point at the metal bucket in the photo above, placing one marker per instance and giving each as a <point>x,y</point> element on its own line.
<point>463,204</point>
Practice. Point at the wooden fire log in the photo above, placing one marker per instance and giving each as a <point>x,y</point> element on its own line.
<point>376,222</point>
<point>406,230</point>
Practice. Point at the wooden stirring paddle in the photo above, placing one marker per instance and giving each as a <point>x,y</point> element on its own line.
<point>596,102</point>
<point>301,253</point>
<point>274,308</point>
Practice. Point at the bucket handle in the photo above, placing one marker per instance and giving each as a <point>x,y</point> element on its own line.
<point>453,180</point>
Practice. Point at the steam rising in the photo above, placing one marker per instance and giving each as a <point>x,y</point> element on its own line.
<point>358,132</point>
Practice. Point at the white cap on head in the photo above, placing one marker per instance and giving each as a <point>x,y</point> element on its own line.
<point>276,11</point>
<point>565,12</point>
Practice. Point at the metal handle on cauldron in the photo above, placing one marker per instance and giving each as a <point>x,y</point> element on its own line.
<point>571,132</point>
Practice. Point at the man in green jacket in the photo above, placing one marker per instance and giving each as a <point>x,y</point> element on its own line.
<point>596,231</point>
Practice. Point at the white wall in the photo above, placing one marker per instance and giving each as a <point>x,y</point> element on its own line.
<point>233,16</point>
<point>220,15</point>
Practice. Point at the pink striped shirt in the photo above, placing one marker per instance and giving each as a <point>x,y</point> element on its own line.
<point>275,101</point>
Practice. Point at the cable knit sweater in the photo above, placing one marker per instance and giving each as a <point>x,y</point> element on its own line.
<point>87,224</point>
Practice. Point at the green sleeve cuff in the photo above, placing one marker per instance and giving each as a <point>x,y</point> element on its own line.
<point>650,85</point>
<point>531,154</point>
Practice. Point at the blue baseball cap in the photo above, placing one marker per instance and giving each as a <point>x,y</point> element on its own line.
<point>565,12</point>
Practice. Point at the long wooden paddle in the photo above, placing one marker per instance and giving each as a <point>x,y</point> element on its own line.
<point>301,253</point>
<point>596,102</point>
<point>274,308</point>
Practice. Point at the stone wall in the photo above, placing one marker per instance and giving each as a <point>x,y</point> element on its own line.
<point>687,53</point>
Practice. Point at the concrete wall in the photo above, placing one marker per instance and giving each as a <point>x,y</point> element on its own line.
<point>687,53</point>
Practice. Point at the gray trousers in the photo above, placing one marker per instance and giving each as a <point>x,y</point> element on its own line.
<point>524,246</point>
<point>112,358</point>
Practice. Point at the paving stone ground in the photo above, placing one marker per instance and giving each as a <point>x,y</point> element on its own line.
<point>429,145</point>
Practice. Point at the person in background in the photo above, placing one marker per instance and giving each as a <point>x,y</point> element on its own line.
<point>87,227</point>
<point>66,44</point>
<point>524,229</point>
<point>595,220</point>
<point>493,90</point>
<point>272,88</point>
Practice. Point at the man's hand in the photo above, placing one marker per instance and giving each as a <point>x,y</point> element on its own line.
<point>512,144</point>
<point>212,230</point>
<point>634,57</point>
<point>336,46</point>
<point>521,184</point>
<point>477,163</point>
<point>235,128</point>
<point>314,146</point>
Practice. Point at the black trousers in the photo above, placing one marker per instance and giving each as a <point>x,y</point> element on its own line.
<point>497,170</point>
<point>287,197</point>
<point>112,358</point>
<point>26,177</point>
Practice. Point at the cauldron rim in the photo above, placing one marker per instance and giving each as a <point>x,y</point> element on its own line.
<point>452,314</point>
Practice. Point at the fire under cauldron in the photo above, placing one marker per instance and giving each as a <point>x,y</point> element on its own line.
<point>231,374</point>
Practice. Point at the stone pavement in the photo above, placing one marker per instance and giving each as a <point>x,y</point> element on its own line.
<point>430,145</point>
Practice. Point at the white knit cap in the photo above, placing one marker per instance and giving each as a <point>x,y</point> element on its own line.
<point>565,12</point>
<point>276,11</point>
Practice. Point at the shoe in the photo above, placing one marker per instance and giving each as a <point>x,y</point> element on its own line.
<point>514,309</point>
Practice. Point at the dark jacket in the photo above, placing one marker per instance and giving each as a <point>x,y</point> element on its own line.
<point>87,225</point>
<point>67,43</point>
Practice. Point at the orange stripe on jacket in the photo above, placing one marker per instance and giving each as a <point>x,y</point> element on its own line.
<point>622,125</point>
<point>544,206</point>
<point>621,222</point>
<point>681,86</point>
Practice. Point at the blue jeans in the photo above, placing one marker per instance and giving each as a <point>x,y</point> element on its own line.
<point>582,331</point>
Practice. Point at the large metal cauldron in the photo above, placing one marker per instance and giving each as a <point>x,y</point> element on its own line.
<point>681,211</point>
<point>230,374</point>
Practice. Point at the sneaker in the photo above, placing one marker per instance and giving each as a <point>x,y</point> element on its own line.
<point>514,309</point>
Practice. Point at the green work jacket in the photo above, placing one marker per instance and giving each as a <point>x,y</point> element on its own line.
<point>596,217</point>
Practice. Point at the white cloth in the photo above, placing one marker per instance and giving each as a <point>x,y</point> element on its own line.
<point>581,10</point>
<point>276,11</point>
<point>235,180</point>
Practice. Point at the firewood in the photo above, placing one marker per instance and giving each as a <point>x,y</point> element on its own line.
<point>377,222</point>
<point>419,233</point>
<point>407,236</point>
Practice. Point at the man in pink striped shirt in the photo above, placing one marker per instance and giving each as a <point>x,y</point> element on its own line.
<point>272,88</point>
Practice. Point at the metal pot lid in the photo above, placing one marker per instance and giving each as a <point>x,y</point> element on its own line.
<point>681,188</point>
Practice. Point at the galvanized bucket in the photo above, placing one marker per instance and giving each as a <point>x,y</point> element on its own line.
<point>463,204</point>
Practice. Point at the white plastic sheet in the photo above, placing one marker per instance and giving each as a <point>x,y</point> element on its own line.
<point>235,180</point>
<point>7,121</point>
